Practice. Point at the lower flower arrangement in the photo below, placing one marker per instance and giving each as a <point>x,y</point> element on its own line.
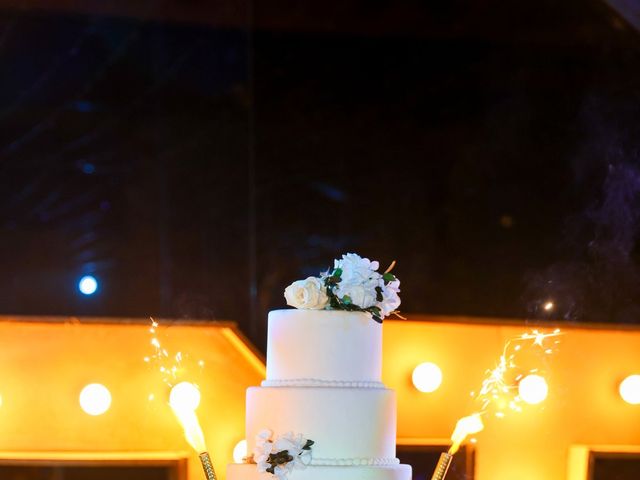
<point>289,456</point>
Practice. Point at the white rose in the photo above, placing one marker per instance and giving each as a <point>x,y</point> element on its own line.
<point>393,286</point>
<point>288,442</point>
<point>263,449</point>
<point>363,296</point>
<point>308,294</point>
<point>358,280</point>
<point>282,471</point>
<point>294,445</point>
<point>390,298</point>
<point>356,269</point>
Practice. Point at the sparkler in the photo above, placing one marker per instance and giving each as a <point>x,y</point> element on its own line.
<point>184,398</point>
<point>496,391</point>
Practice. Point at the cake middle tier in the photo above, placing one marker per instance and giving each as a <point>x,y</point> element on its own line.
<point>346,424</point>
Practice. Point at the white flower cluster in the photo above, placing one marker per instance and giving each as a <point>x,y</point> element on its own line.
<point>353,284</point>
<point>270,454</point>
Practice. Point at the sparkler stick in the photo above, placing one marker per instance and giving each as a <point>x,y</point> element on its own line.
<point>443,466</point>
<point>492,392</point>
<point>207,466</point>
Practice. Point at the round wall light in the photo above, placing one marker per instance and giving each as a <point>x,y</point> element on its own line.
<point>533,389</point>
<point>95,399</point>
<point>427,377</point>
<point>630,389</point>
<point>240,451</point>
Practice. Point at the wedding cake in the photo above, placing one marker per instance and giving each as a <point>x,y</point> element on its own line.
<point>322,413</point>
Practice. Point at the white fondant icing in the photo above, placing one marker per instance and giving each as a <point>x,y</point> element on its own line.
<point>343,422</point>
<point>314,382</point>
<point>328,345</point>
<point>239,471</point>
<point>323,382</point>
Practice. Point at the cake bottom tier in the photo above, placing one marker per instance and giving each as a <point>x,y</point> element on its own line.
<point>243,471</point>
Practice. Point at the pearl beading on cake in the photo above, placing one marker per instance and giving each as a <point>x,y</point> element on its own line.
<point>314,382</point>
<point>354,462</point>
<point>343,462</point>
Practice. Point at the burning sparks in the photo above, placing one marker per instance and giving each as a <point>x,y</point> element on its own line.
<point>172,367</point>
<point>499,390</point>
<point>548,306</point>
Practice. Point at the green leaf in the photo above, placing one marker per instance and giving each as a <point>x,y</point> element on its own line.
<point>330,282</point>
<point>388,277</point>
<point>346,300</point>
<point>280,458</point>
<point>337,273</point>
<point>379,297</point>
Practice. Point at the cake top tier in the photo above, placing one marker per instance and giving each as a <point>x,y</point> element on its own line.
<point>323,348</point>
<point>332,339</point>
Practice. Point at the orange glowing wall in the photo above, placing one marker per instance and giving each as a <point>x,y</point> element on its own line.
<point>583,410</point>
<point>44,364</point>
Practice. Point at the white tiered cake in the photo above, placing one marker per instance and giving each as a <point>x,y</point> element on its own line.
<point>324,384</point>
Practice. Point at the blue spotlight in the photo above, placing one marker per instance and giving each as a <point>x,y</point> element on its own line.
<point>88,168</point>
<point>88,285</point>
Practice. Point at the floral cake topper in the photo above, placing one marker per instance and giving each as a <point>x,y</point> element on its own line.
<point>279,456</point>
<point>353,284</point>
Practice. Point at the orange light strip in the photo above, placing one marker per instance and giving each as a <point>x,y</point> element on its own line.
<point>423,442</point>
<point>93,457</point>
